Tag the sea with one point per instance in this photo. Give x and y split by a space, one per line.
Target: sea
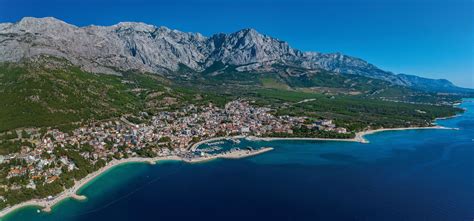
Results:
400 175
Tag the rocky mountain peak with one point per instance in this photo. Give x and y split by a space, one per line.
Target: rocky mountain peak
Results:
144 47
41 25
40 21
247 46
248 33
134 26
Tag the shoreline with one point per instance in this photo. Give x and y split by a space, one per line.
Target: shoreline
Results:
304 138
447 118
359 136
47 205
230 155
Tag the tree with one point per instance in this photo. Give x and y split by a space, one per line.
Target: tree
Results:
25 135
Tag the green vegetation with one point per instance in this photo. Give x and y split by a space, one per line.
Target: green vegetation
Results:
58 95
64 97
269 82
353 112
164 139
43 189
7 147
38 97
306 132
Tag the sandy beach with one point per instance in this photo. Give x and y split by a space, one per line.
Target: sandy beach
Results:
302 138
360 136
47 204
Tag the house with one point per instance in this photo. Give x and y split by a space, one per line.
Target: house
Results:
245 130
52 179
326 122
341 130
31 185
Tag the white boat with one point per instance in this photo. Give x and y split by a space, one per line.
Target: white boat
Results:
215 143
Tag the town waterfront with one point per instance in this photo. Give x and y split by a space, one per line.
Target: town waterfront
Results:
399 175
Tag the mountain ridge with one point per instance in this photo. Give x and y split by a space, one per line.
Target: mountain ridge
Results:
148 48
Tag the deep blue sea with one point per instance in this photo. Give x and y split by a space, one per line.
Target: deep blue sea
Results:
399 175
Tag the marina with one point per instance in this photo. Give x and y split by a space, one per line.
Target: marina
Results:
305 172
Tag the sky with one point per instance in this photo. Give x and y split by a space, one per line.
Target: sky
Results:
429 38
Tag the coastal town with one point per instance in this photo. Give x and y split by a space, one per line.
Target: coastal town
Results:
50 161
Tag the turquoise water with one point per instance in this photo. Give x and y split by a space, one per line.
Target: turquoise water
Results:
399 175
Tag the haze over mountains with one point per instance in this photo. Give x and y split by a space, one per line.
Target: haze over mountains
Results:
147 48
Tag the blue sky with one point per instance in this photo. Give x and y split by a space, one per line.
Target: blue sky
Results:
429 38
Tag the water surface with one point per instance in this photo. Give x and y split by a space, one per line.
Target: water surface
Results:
399 175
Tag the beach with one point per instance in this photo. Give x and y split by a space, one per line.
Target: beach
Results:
359 137
47 204
303 138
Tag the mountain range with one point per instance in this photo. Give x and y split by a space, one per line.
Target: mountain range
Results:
132 46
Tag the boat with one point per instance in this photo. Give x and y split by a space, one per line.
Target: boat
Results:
215 143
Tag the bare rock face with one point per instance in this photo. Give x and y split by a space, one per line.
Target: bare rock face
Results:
147 48
246 47
124 46
339 63
138 46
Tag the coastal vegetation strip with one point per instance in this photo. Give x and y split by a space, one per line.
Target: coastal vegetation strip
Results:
48 203
54 133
